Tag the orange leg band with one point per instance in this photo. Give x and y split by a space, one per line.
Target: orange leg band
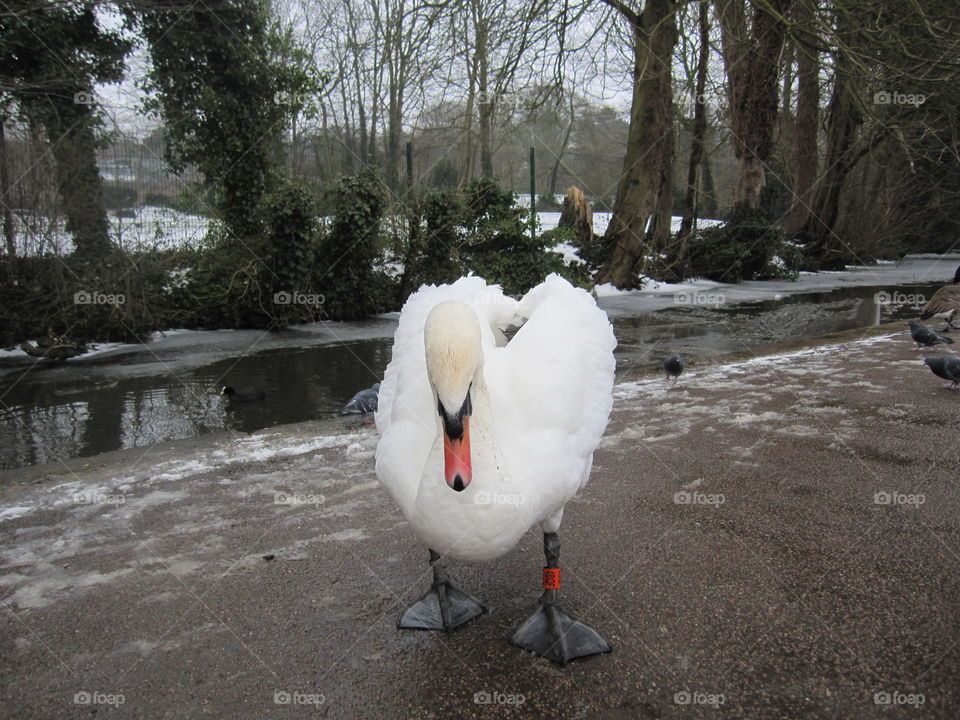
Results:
551 578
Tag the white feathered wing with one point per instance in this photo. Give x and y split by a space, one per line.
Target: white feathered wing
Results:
549 395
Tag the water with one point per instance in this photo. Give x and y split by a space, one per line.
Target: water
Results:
701 333
146 397
169 389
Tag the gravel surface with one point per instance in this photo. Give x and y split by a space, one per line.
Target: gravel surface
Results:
775 538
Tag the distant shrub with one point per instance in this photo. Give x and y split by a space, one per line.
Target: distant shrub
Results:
444 175
344 268
478 228
747 247
117 196
440 243
290 251
224 288
577 272
122 298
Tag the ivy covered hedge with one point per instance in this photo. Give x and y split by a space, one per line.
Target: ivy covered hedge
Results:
479 228
299 268
749 246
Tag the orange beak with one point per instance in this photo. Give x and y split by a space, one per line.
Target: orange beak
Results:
457 470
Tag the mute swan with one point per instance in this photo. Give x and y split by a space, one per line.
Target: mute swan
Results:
481 439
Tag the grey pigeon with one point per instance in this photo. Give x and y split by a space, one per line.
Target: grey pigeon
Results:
946 367
673 366
363 403
924 336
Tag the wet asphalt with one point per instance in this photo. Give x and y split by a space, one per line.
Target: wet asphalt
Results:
775 538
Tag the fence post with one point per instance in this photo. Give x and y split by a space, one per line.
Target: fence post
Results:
409 166
533 196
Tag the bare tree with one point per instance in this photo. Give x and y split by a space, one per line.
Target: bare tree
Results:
641 213
699 129
6 196
805 156
502 45
752 34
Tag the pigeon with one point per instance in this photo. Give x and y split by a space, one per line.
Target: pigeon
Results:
946 367
246 394
673 366
945 303
363 403
924 336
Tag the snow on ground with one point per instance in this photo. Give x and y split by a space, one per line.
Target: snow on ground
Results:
654 287
264 446
160 228
93 351
742 388
288 471
149 227
911 270
550 220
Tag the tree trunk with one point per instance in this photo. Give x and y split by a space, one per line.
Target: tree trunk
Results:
645 188
73 147
558 159
466 149
699 133
5 195
807 122
486 105
394 139
844 120
750 58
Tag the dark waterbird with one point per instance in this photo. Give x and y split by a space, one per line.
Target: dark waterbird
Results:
945 303
363 403
947 367
673 366
244 394
924 336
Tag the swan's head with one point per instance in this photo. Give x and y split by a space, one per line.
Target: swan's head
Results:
452 342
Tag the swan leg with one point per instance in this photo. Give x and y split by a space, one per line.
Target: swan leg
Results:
443 607
550 632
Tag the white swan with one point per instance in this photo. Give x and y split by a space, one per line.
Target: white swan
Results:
481 439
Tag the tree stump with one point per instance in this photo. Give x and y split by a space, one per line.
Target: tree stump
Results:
577 213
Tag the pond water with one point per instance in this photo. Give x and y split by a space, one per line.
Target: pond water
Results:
137 396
